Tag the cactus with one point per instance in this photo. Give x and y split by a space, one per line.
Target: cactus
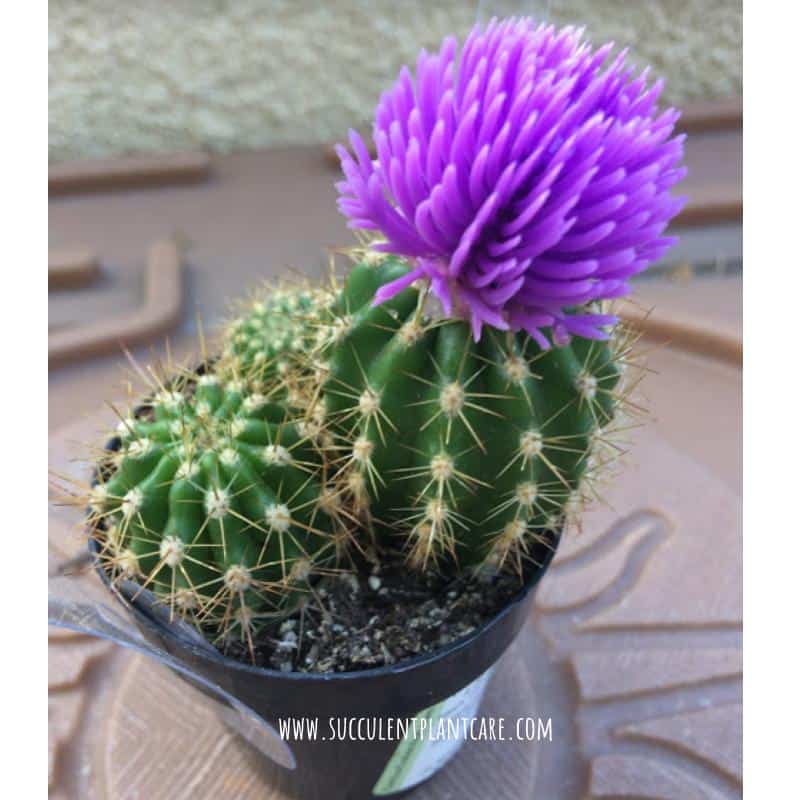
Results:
526 177
469 451
217 504
268 332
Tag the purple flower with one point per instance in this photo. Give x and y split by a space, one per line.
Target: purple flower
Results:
524 178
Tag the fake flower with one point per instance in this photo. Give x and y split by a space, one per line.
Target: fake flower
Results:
526 177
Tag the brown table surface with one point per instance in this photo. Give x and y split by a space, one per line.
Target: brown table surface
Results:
636 639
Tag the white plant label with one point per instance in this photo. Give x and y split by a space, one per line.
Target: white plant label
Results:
431 743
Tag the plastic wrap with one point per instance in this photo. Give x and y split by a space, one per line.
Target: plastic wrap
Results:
79 601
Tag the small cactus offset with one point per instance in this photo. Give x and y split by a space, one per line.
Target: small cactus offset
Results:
264 339
217 504
468 451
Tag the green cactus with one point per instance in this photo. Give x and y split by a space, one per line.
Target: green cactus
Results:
265 342
218 505
465 452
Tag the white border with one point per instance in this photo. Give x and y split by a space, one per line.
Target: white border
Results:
771 418
23 331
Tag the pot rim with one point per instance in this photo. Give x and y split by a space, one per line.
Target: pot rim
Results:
405 665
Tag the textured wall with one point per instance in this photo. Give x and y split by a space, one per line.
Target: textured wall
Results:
161 75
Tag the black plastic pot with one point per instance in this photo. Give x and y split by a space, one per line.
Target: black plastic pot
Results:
343 769
331 767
